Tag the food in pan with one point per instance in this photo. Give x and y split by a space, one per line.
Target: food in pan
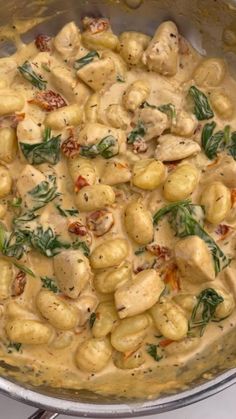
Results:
118 210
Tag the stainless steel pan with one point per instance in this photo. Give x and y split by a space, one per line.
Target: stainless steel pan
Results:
202 22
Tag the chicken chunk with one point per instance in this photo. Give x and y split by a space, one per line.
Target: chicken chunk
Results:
194 260
154 121
72 271
99 74
162 54
67 41
172 148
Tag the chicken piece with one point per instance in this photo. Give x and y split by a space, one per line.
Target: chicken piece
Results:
132 46
28 131
67 41
184 124
155 122
223 171
64 81
172 148
117 116
72 271
162 54
194 260
93 133
86 304
116 172
99 74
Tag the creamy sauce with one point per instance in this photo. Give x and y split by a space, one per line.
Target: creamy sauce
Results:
55 363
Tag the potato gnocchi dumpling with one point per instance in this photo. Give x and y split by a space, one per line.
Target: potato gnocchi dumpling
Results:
117 209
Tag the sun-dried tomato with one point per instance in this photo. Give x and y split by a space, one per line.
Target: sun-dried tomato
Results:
140 146
233 196
19 283
77 228
43 43
171 277
70 147
100 222
96 25
165 342
48 100
162 252
223 230
80 183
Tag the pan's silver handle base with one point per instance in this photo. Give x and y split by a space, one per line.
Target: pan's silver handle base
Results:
42 414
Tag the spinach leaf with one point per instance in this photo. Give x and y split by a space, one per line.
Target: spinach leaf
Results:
50 284
47 242
138 132
183 220
13 244
44 192
152 351
87 59
106 148
169 109
24 269
140 250
66 212
213 143
13 346
202 109
92 319
47 151
232 146
81 245
24 218
221 140
120 79
29 74
204 310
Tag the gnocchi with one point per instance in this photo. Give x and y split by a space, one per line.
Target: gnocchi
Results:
146 286
181 182
130 333
138 223
110 253
117 208
148 174
216 199
93 355
170 320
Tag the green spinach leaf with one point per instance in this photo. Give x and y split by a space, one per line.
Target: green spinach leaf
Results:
50 284
29 74
87 59
44 192
47 151
106 148
204 310
202 109
138 132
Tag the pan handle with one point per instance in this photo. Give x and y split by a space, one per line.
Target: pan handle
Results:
43 414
